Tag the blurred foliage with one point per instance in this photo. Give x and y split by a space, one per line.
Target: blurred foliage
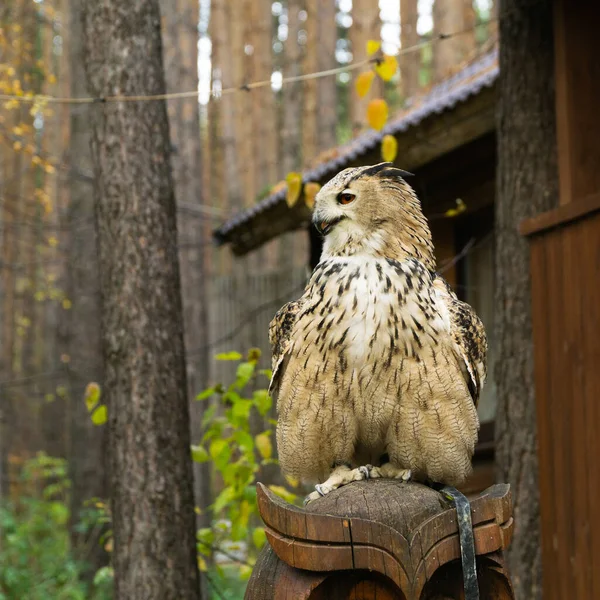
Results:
36 559
238 453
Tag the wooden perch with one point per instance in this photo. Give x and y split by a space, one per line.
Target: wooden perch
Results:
379 539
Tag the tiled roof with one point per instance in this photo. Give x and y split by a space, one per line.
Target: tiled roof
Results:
467 82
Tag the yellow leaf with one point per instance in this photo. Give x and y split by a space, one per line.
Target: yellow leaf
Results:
202 564
460 208
264 445
387 67
372 47
100 415
311 189
377 113
52 242
67 304
389 148
245 572
363 83
92 395
283 493
294 185
293 482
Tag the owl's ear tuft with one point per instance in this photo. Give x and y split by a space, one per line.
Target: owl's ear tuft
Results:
394 172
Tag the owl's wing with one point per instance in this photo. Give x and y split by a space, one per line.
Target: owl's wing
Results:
469 337
280 333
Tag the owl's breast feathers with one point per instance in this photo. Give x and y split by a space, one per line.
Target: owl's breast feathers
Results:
373 310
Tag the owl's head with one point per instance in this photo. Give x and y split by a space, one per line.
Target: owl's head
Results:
372 210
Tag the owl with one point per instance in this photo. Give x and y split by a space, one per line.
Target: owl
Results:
378 367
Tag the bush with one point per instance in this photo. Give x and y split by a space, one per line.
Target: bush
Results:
237 455
35 554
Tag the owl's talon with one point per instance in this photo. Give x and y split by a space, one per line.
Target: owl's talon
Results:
366 471
319 489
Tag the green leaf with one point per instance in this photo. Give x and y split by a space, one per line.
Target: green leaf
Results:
223 499
262 401
245 441
220 453
245 572
259 537
241 410
206 393
92 395
199 454
209 413
206 536
244 374
267 373
229 356
100 415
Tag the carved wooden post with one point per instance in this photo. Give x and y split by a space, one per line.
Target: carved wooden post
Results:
379 539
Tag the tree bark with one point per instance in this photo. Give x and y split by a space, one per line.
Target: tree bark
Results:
326 86
452 16
180 36
409 63
154 553
526 185
87 441
366 25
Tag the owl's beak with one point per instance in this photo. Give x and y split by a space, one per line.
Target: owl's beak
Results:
324 227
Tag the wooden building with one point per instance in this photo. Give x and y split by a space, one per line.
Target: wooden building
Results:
447 140
565 273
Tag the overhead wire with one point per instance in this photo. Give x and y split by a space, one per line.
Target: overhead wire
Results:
244 87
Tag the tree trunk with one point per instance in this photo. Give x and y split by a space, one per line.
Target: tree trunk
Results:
526 186
326 86
449 17
366 25
154 553
87 441
310 64
409 63
180 37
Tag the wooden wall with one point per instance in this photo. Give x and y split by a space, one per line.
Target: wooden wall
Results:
565 270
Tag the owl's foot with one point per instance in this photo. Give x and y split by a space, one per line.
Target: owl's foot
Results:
340 476
389 471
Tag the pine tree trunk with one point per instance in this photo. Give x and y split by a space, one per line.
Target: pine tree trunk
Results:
83 337
526 186
366 25
450 17
154 553
310 64
180 40
410 63
326 86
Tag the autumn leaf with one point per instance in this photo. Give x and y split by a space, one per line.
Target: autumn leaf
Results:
372 47
100 415
264 445
92 395
389 148
460 208
259 537
283 493
311 189
294 185
363 83
377 113
387 67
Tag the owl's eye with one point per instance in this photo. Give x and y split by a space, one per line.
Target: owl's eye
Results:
346 198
